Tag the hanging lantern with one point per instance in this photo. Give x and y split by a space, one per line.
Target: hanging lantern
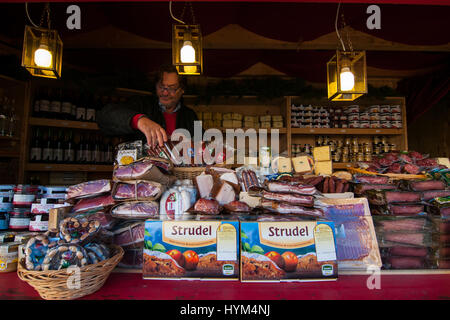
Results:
42 52
187 49
347 76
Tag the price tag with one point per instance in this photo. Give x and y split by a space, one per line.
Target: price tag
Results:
312 130
343 131
377 131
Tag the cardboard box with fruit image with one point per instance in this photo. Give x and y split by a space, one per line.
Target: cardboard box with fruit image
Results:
288 249
205 249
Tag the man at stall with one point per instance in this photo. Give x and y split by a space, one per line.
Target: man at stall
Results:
153 117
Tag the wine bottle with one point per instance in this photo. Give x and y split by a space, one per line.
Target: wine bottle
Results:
80 157
90 109
55 104
66 106
36 147
44 104
69 148
87 149
47 147
58 145
81 109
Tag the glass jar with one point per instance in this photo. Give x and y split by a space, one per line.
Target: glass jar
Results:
19 219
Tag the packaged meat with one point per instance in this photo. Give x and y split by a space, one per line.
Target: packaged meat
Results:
207 206
88 189
129 234
399 209
137 190
404 263
136 210
237 206
425 185
223 192
360 188
292 198
247 178
132 259
65 255
383 197
95 203
102 216
401 224
143 169
175 202
405 251
414 238
287 187
204 183
78 231
371 179
433 194
286 208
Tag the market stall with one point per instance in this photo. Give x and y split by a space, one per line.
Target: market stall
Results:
326 196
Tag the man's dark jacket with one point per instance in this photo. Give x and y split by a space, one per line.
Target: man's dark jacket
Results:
115 119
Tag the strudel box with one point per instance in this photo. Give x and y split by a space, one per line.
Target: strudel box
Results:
287 249
205 248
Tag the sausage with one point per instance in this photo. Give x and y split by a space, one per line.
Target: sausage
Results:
339 186
346 186
315 180
398 196
427 185
331 186
326 185
245 180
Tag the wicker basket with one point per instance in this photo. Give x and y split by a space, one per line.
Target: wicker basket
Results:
188 172
53 284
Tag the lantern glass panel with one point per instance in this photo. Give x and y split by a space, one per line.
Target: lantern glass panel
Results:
181 34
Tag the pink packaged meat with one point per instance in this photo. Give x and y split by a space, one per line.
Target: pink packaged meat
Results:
130 234
88 189
137 190
143 169
95 203
136 210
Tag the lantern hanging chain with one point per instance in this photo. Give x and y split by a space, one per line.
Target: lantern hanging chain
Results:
344 27
336 26
46 11
171 14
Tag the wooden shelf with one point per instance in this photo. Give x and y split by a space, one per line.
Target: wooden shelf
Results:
347 131
63 123
9 154
68 167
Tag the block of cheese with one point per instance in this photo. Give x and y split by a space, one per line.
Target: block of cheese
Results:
250 124
266 118
301 164
237 123
277 124
277 118
323 168
265 125
249 200
284 164
207 116
217 116
248 161
208 123
443 162
250 118
227 123
227 116
237 116
322 153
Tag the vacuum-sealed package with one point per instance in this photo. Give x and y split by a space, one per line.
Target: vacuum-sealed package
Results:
136 210
137 190
130 234
88 189
128 152
383 197
103 216
143 169
74 230
96 203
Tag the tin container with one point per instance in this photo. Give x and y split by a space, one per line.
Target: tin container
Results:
396 116
19 219
374 124
385 124
395 109
374 116
353 108
364 116
364 124
23 200
385 108
354 124
396 124
374 109
353 116
385 117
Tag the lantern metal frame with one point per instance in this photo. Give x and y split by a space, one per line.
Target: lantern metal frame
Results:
180 34
34 37
356 62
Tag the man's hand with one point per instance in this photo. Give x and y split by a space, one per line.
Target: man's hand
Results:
154 133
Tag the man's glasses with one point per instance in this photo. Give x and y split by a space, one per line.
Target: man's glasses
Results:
169 89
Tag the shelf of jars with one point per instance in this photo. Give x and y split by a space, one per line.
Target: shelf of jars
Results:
346 131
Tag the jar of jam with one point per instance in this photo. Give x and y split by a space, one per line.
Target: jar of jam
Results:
367 149
336 156
386 148
19 219
392 147
360 157
344 157
4 220
39 222
368 157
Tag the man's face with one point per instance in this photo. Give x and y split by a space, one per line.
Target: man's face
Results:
168 90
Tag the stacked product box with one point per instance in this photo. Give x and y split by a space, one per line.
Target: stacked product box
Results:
205 248
287 248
